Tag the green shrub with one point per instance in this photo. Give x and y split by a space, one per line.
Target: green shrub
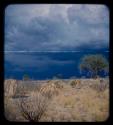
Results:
94 64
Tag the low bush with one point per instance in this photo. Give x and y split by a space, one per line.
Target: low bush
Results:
58 84
73 83
33 108
49 90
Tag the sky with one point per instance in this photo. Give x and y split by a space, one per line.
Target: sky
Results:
43 40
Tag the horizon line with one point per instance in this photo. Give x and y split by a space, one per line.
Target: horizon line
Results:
25 51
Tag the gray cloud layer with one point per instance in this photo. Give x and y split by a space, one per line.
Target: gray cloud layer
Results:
55 27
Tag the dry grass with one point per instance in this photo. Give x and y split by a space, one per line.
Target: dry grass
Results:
11 110
82 104
33 107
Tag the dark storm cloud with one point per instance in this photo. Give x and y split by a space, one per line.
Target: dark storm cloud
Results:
60 28
63 27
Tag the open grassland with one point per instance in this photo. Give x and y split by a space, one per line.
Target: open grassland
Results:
57 100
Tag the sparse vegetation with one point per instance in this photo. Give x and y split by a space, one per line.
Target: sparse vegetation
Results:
9 110
23 89
34 107
52 102
73 83
58 84
49 90
100 86
10 87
